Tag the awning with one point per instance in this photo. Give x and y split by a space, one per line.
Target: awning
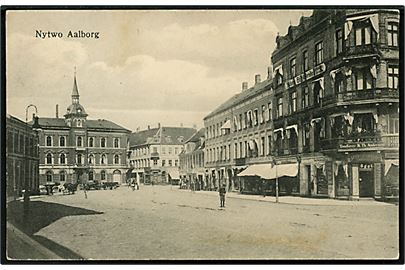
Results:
373 19
227 125
174 174
388 163
269 172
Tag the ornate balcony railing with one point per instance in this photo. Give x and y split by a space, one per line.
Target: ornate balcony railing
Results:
360 50
367 94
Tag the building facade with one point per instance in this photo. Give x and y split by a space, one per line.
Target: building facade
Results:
154 153
334 102
22 158
76 149
192 169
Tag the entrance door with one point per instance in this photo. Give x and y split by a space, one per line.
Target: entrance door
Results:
309 180
117 176
366 180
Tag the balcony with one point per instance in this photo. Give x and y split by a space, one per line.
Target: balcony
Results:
361 142
366 50
368 94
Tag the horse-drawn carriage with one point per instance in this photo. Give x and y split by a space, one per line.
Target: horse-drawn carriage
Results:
70 188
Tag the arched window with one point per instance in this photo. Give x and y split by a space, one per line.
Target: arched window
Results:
102 142
91 142
79 141
49 158
62 159
91 175
79 158
48 141
116 143
62 176
102 175
62 141
48 176
116 159
91 159
103 159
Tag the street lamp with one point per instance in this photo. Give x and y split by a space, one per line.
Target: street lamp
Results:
274 164
35 127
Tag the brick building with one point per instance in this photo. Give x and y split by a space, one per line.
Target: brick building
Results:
154 153
76 149
334 110
192 169
22 159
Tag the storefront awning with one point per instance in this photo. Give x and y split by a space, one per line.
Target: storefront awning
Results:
388 163
174 174
269 172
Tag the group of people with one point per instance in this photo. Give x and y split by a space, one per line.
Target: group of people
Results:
134 184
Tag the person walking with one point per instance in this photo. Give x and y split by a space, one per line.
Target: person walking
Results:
222 192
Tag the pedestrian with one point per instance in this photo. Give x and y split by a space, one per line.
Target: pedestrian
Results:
222 192
137 183
133 184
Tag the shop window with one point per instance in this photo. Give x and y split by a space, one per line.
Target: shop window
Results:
48 176
392 34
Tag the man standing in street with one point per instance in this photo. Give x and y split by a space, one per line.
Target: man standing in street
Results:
222 192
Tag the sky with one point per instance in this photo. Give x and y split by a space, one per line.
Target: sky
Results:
147 67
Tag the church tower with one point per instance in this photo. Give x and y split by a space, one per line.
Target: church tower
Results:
75 115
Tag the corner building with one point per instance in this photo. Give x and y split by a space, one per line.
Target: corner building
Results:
76 149
336 83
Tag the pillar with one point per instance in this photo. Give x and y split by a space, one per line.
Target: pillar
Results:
355 182
377 180
303 180
299 135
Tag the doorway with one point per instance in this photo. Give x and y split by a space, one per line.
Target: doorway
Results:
366 182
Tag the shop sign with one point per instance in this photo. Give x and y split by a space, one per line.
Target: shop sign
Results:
289 83
305 76
360 145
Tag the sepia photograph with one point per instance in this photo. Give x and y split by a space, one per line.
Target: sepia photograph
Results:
191 134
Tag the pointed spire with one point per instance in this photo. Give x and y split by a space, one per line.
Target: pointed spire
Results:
75 91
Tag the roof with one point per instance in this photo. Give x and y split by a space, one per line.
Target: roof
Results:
91 124
196 136
236 99
162 135
75 91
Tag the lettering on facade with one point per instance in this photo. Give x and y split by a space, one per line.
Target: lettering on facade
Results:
306 76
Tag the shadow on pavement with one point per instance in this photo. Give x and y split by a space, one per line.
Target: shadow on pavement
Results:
40 215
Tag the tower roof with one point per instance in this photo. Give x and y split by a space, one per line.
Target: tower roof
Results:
75 91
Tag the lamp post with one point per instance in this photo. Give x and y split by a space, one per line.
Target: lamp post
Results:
27 191
274 164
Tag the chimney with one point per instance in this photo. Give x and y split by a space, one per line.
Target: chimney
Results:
181 124
257 78
148 127
57 111
158 125
244 86
194 126
137 129
269 73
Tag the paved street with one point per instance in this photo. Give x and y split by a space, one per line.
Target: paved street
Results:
163 222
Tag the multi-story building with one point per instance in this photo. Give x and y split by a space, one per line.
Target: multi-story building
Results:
192 169
335 109
22 171
154 153
336 83
76 149
238 133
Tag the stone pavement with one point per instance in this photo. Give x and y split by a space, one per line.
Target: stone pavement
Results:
289 199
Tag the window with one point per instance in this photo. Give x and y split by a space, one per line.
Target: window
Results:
305 97
102 175
317 92
62 159
392 34
62 141
49 158
79 158
269 145
262 146
79 141
270 116
169 149
319 53
176 163
91 142
79 122
155 162
116 142
102 142
48 141
91 175
393 125
103 159
154 149
116 159
163 162
62 176
393 76
292 67
170 162
339 82
279 107
305 65
339 41
363 79
263 114
48 176
293 102
255 115
91 159
362 34
279 78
